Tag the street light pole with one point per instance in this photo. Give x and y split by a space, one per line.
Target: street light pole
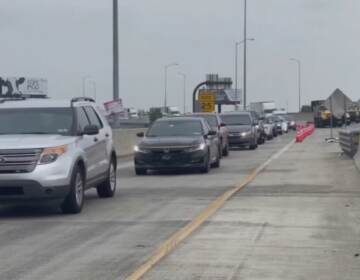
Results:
299 79
245 36
237 44
115 51
94 87
165 82
84 78
184 89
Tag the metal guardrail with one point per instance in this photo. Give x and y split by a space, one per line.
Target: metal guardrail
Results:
349 141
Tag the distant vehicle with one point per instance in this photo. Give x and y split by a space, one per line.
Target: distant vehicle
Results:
55 150
279 124
133 113
177 143
322 115
263 108
159 112
270 128
217 124
242 129
280 112
260 129
174 111
291 121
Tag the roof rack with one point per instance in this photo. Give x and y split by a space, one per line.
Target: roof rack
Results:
82 98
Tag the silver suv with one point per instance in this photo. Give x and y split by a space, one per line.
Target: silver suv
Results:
54 150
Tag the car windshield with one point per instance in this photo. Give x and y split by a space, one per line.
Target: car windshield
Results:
174 128
211 119
36 121
236 119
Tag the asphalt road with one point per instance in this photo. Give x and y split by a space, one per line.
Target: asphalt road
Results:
299 219
111 237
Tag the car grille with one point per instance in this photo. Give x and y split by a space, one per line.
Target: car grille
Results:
19 161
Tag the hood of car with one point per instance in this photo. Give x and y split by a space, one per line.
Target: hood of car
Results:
33 141
163 142
239 128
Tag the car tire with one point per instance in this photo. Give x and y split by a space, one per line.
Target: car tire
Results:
253 147
140 171
226 151
74 201
207 164
108 187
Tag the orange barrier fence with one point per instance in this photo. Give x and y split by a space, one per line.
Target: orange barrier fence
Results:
304 131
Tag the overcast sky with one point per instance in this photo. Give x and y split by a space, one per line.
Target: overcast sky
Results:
66 40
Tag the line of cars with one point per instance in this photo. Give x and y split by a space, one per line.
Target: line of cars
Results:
198 141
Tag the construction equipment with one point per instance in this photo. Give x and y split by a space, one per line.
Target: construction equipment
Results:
322 115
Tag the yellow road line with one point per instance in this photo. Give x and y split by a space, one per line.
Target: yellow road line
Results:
169 245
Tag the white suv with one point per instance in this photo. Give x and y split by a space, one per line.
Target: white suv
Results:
54 150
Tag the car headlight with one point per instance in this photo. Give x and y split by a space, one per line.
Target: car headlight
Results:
292 123
49 155
246 133
137 149
199 147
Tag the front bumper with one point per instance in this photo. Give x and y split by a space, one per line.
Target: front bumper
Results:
20 190
47 181
169 161
238 140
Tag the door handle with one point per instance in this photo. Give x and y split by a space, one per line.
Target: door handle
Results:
95 139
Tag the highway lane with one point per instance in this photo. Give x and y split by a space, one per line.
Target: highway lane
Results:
112 237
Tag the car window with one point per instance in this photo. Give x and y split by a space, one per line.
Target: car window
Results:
93 116
212 120
237 119
82 119
207 127
36 121
176 128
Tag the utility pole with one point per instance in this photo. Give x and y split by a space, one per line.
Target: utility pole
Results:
184 90
245 35
166 67
299 79
115 51
237 44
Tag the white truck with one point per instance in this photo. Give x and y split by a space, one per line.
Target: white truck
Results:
263 108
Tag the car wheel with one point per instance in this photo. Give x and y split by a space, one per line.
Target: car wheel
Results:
140 171
74 201
226 151
207 164
108 187
253 146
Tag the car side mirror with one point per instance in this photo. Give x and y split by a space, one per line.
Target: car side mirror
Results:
90 129
222 124
140 134
212 133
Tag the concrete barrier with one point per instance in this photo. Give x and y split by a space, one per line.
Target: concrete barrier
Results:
357 157
125 140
